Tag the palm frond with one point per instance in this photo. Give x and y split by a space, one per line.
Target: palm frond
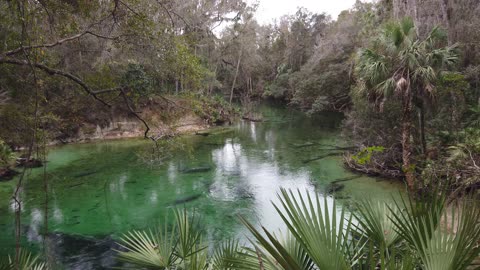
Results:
189 234
375 223
147 249
271 246
467 234
227 254
416 221
198 260
23 261
386 87
372 66
296 250
322 234
408 28
424 75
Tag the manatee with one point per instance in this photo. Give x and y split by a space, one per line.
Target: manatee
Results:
187 199
334 187
85 174
197 169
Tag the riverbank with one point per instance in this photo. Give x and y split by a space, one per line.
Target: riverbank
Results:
162 116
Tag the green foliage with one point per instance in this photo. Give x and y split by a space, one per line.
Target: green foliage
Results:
187 67
214 110
364 156
7 156
279 88
137 80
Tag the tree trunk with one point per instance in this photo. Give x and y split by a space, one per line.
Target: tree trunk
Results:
422 128
210 87
181 82
408 167
235 77
176 86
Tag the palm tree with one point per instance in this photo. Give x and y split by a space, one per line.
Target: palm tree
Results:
400 62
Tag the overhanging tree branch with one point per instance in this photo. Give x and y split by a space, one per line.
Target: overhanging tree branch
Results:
58 42
52 71
134 113
83 85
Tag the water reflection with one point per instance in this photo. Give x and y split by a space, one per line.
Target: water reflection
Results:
228 174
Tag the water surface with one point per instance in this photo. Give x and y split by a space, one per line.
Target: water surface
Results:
100 190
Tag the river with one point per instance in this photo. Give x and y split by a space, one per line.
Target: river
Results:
98 191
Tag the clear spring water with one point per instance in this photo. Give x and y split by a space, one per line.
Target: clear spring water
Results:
98 191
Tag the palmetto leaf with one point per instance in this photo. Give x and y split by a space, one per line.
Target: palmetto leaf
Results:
416 221
408 28
451 250
372 66
228 254
198 260
269 246
467 235
146 249
24 261
296 250
456 152
322 233
375 223
189 234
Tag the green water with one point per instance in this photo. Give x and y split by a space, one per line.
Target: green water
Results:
100 190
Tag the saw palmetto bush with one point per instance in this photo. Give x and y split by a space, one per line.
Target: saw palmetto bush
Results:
180 247
320 234
23 260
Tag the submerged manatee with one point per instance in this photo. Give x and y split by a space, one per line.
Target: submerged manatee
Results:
85 174
334 187
187 199
83 252
197 169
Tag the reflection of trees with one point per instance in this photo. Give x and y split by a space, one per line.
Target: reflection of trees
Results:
122 193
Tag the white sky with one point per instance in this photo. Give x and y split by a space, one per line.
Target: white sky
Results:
269 10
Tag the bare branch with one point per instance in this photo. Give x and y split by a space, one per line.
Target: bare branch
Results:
132 111
58 42
104 91
168 13
4 98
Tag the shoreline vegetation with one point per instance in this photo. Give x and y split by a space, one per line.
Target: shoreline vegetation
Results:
406 76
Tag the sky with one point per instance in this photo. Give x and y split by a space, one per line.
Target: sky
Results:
268 10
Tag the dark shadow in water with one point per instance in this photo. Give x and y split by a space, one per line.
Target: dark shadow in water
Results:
76 252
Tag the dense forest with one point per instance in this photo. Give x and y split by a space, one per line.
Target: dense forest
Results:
69 66
406 77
